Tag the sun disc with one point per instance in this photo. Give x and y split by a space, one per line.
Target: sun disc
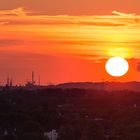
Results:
117 66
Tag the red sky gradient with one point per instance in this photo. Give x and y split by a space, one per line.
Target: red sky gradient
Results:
68 41
74 7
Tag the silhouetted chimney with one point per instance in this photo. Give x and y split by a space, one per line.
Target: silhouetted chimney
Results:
8 82
11 82
39 80
33 81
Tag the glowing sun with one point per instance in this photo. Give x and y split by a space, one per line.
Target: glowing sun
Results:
117 66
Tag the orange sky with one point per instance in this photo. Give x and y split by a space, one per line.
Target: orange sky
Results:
68 47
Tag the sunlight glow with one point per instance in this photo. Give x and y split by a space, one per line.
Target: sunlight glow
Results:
119 51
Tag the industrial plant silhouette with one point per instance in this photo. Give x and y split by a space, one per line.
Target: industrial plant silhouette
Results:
69 111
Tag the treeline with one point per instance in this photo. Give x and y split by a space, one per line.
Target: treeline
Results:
76 114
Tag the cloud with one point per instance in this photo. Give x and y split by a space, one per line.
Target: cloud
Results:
10 17
63 20
102 23
129 16
17 12
33 19
89 56
5 14
3 22
10 42
122 14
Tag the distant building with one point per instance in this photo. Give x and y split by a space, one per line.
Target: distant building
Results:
32 82
52 135
9 82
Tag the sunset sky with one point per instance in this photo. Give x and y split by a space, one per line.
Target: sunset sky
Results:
68 41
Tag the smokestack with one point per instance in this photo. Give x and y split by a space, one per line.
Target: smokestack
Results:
8 81
33 81
11 82
39 80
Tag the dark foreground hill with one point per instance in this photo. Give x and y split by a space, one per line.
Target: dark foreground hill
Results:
109 86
